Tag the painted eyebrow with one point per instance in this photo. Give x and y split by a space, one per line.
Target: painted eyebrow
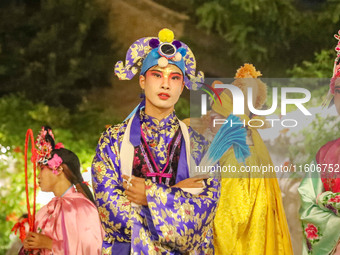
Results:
160 71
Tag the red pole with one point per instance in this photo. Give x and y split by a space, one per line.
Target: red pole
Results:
31 217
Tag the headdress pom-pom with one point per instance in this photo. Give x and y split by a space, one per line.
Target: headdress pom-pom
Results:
154 43
182 51
177 57
166 35
162 62
177 44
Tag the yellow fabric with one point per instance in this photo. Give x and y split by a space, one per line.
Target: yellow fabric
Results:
250 218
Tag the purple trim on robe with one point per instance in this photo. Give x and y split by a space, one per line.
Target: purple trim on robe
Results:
121 248
182 169
135 134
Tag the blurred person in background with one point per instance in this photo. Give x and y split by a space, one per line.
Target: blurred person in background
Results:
320 189
250 218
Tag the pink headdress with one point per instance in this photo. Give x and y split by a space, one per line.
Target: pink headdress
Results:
45 145
336 68
336 73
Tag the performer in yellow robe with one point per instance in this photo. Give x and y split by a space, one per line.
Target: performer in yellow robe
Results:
250 218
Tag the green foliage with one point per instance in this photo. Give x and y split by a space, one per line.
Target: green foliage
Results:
321 67
79 131
181 6
55 51
182 108
256 29
273 35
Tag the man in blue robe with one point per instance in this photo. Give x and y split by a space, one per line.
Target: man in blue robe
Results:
147 201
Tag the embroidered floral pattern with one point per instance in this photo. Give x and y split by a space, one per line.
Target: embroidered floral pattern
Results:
335 199
159 134
312 234
330 201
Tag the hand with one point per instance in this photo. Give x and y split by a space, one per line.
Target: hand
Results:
317 198
193 182
37 241
136 190
337 249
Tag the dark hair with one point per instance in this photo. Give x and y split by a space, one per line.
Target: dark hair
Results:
72 171
48 137
71 161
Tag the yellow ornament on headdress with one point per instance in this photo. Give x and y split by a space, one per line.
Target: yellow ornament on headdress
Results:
246 70
166 35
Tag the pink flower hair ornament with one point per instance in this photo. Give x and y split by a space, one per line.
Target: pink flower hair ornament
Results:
55 163
328 101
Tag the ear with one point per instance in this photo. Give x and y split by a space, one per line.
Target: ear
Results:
142 81
60 170
182 87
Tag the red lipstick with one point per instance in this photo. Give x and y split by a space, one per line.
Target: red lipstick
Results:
163 96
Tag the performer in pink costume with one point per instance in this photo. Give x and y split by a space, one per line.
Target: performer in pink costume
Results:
69 224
